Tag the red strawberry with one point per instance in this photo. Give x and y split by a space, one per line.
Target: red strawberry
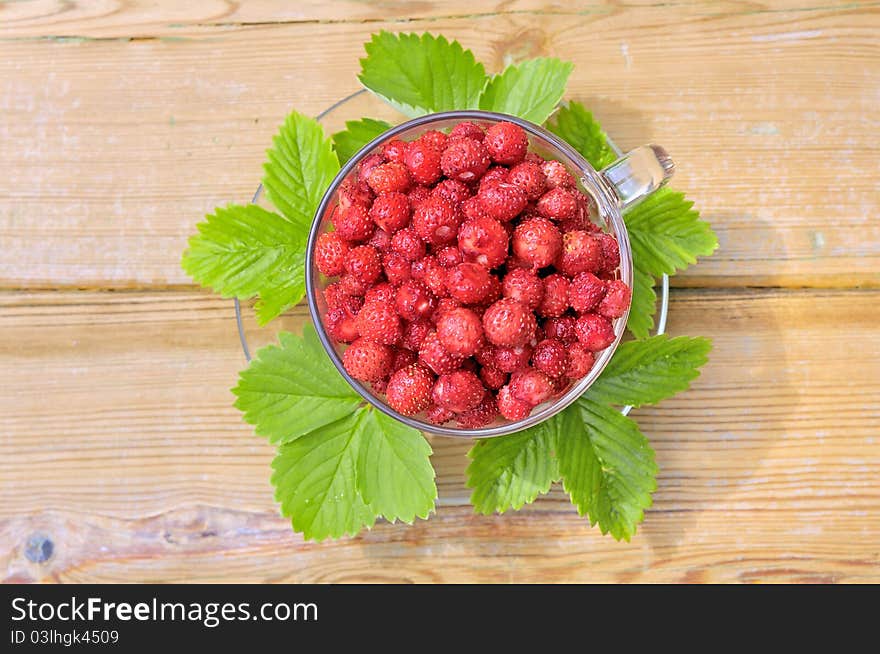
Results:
593 330
407 243
460 332
469 283
483 241
580 361
354 192
508 323
394 150
616 300
330 252
445 305
480 416
472 210
414 300
537 241
492 377
485 356
534 157
510 407
464 159
368 164
379 322
409 390
523 286
557 175
452 191
494 175
458 391
436 357
507 143
610 251
364 264
435 139
382 292
449 256
581 252
396 267
438 415
381 240
354 223
436 221
379 386
469 130
511 359
341 325
402 359
530 178
336 298
423 162
561 329
367 361
501 200
417 195
389 177
585 291
550 357
429 270
351 285
531 386
390 211
558 204
414 334
555 300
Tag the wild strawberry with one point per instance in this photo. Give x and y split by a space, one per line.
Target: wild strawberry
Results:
449 256
390 211
436 221
464 159
580 361
510 407
389 177
336 298
472 210
452 191
351 285
367 361
364 264
407 243
585 291
469 130
537 241
394 150
531 386
610 251
436 357
616 300
507 143
508 323
557 175
437 415
330 252
402 359
423 162
494 175
480 416
511 359
445 305
458 391
414 334
381 240
523 286
379 322
485 356
469 283
550 357
561 329
368 164
383 292
414 300
340 325
409 390
354 223
429 270
492 377
530 178
379 386
483 241
460 332
502 201
534 157
558 204
396 267
417 195
434 139
581 252
555 300
354 192
593 330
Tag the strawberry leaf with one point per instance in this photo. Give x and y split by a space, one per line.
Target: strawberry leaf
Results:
357 134
530 90
644 304
577 127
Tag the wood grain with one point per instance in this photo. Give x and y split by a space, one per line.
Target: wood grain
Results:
122 124
120 445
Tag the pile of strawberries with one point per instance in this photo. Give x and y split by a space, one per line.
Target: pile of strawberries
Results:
471 278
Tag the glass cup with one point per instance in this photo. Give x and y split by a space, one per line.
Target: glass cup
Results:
614 189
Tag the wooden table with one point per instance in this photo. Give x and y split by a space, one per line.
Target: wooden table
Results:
122 124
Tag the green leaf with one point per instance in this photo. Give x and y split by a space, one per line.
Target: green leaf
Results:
510 471
315 479
357 134
530 90
395 476
607 468
292 389
650 370
422 74
301 166
577 127
666 234
644 305
240 251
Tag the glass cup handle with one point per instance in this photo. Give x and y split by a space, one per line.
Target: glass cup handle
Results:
638 173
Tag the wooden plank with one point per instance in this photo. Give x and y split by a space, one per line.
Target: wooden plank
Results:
113 148
118 443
